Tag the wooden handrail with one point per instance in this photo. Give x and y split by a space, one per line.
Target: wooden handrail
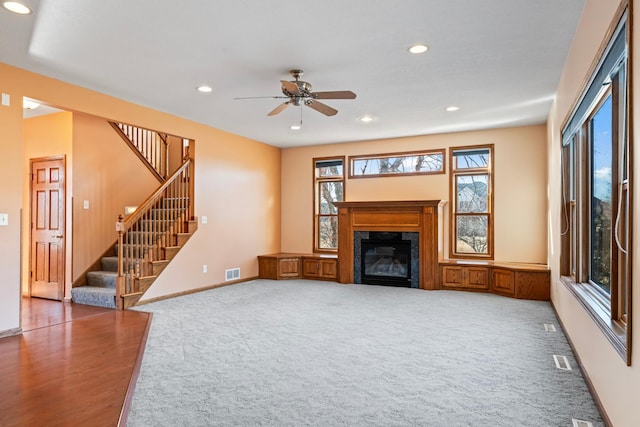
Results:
150 200
150 146
154 226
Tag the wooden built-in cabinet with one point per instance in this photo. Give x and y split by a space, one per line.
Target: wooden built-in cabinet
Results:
516 280
319 268
465 277
297 266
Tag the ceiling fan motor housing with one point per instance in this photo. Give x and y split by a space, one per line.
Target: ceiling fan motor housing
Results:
304 89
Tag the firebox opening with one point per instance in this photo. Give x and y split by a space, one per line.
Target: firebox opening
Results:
386 259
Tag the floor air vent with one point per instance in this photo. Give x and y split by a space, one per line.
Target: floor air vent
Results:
562 362
549 327
232 274
581 423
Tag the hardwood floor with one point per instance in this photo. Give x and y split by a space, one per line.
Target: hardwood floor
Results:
73 365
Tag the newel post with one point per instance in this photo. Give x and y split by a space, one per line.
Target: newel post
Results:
120 280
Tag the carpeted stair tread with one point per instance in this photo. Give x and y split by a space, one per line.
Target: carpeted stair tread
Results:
102 279
94 295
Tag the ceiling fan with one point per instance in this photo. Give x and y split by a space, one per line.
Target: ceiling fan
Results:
299 93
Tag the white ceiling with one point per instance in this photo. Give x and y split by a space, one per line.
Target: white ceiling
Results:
498 60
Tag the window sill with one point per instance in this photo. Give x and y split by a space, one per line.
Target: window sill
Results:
598 310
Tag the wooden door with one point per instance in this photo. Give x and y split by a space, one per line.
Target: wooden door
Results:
47 228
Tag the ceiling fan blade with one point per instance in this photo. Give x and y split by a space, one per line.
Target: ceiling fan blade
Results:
291 87
258 97
322 108
279 109
338 94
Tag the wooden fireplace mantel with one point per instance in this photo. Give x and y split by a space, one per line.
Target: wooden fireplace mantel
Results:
409 216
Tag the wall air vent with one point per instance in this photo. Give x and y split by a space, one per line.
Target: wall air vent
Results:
232 274
581 423
549 327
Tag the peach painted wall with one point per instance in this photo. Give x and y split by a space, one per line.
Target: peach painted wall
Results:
237 187
520 200
11 172
616 385
103 169
46 136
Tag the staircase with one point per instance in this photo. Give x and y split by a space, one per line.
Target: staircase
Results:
147 241
100 289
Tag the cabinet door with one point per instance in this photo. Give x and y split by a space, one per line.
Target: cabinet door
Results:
452 277
503 281
477 277
289 268
310 267
329 268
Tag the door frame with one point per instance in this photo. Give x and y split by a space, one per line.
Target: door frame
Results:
33 160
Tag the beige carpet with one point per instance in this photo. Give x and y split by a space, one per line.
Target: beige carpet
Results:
308 353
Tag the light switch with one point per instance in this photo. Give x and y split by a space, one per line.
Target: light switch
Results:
85 204
4 219
6 99
204 219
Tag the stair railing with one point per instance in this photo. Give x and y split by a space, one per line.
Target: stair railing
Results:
144 235
150 146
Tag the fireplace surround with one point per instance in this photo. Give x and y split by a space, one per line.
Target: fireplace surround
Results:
419 218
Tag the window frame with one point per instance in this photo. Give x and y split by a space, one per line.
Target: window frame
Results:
316 199
354 175
455 172
611 312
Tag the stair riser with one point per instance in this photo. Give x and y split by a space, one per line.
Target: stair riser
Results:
111 263
137 251
165 214
175 203
101 297
101 279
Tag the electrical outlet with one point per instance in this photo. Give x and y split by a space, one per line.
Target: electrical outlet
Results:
6 99
204 219
4 219
85 204
204 268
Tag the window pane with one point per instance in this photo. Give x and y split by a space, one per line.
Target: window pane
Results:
472 193
329 168
601 221
469 159
471 234
409 164
330 191
328 229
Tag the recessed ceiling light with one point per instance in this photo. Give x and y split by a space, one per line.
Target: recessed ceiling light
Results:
204 88
366 119
27 104
17 7
452 108
418 48
295 127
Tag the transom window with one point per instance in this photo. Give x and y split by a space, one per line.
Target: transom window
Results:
397 164
472 207
328 188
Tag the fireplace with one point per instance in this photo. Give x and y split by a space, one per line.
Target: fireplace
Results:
386 258
416 220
